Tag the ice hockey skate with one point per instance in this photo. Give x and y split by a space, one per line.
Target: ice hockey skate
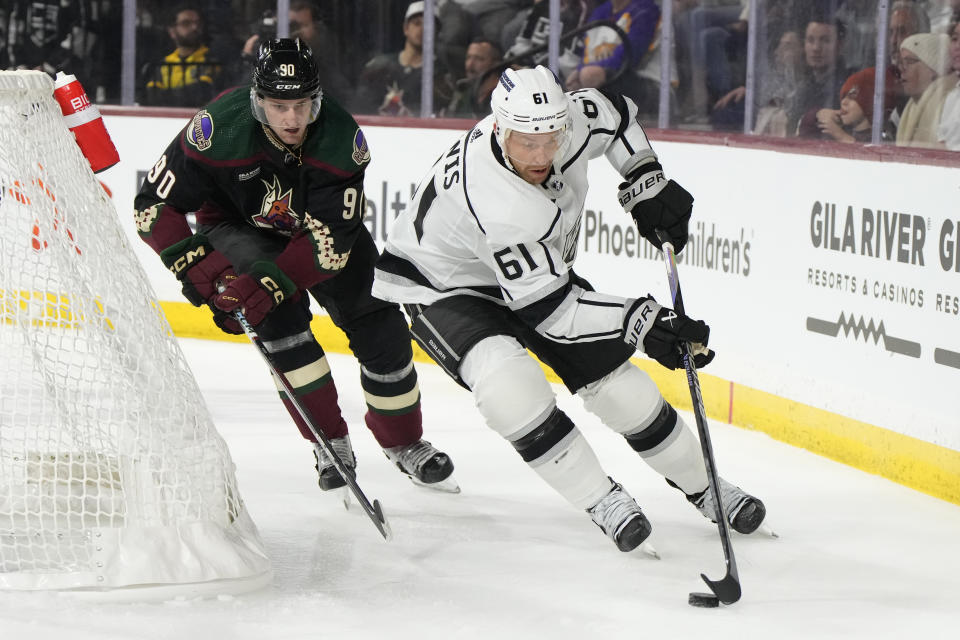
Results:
329 476
425 465
618 515
745 513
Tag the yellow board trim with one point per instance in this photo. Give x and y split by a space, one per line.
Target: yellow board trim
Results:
915 463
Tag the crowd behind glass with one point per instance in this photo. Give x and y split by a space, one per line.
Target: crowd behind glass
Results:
785 68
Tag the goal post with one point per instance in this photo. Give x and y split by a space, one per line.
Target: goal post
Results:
112 475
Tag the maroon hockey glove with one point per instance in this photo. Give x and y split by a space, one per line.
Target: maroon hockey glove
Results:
657 203
658 332
256 293
199 267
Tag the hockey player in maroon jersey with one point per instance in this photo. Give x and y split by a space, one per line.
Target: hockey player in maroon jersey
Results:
275 173
484 260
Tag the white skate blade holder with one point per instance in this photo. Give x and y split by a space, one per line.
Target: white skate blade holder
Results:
447 485
647 549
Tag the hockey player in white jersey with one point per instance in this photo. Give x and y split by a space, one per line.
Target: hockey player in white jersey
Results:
483 261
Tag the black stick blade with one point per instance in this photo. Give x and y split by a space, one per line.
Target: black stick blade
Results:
727 589
380 521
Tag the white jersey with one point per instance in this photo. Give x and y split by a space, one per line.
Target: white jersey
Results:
475 227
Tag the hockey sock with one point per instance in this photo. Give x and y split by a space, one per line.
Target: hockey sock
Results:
393 406
517 402
668 445
558 453
628 402
305 367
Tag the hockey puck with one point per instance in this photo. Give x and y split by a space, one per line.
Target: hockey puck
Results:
706 600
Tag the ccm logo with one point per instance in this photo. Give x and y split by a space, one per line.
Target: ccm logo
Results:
270 285
188 259
288 86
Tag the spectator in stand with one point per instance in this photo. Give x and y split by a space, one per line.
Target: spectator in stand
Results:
465 20
38 35
605 53
777 90
307 24
532 28
924 71
188 76
906 18
860 42
4 63
471 97
853 121
948 132
822 77
941 14
709 36
390 83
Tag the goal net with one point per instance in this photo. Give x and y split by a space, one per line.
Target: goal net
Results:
112 475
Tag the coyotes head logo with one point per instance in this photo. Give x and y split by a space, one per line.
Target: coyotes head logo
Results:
275 210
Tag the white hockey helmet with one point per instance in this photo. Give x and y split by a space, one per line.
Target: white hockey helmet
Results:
530 101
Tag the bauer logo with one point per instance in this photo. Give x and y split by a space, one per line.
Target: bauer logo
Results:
200 133
361 152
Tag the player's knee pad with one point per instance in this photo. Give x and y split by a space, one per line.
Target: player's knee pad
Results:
508 386
626 399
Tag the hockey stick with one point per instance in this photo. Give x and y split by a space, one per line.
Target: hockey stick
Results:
373 511
727 589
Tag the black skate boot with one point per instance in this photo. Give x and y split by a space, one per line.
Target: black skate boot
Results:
424 464
619 516
329 476
744 512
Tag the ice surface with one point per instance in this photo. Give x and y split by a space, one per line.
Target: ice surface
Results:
857 557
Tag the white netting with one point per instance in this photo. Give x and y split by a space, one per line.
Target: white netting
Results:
111 472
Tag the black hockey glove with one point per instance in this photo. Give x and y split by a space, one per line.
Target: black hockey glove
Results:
225 322
199 267
657 203
658 332
256 293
